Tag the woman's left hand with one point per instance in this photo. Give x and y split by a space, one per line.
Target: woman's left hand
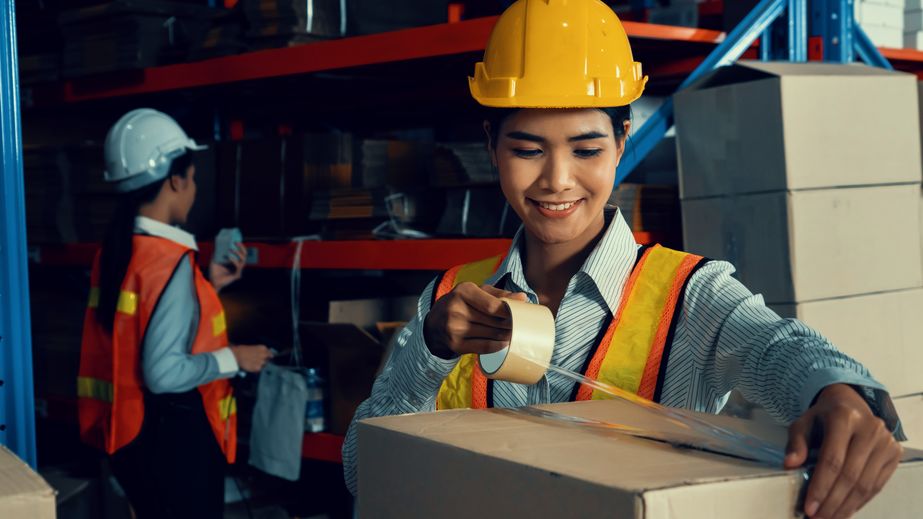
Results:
223 275
857 456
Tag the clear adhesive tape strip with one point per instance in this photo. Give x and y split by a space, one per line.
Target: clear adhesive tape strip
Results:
527 357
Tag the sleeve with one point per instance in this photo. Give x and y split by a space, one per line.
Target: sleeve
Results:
167 365
727 338
408 383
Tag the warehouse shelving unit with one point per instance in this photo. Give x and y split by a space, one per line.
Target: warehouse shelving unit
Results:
821 29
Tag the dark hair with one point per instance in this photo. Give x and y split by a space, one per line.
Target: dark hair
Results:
117 245
496 117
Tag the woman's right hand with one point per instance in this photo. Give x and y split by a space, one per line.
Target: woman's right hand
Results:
251 358
469 319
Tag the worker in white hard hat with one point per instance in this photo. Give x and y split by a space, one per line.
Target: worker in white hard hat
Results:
153 388
557 80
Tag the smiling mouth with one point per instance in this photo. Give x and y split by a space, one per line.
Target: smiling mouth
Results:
556 206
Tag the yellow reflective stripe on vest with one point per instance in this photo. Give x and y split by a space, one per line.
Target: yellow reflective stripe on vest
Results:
93 301
219 324
128 302
455 392
477 272
94 388
227 407
631 343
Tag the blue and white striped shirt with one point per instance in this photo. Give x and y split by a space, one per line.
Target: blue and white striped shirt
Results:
725 338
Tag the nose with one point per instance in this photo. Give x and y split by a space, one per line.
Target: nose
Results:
557 174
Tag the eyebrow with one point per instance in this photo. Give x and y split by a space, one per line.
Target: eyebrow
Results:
524 136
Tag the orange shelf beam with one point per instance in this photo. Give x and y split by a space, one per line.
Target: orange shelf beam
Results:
322 447
330 255
421 42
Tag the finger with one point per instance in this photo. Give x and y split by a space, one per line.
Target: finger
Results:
481 346
472 315
837 434
866 487
499 292
799 434
479 331
853 482
887 471
480 300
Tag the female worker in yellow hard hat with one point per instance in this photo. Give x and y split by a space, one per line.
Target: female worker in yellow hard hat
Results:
153 389
558 77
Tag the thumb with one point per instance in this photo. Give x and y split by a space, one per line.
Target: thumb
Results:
799 434
499 292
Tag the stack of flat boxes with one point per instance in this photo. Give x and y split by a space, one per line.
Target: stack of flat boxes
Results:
807 178
883 21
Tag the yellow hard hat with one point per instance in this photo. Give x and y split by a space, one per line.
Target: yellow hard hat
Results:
557 54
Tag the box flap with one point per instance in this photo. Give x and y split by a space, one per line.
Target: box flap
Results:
23 493
579 452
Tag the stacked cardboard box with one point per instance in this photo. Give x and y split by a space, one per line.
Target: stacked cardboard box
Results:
129 34
807 178
882 20
23 493
278 23
374 16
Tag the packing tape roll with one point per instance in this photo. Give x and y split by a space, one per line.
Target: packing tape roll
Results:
526 359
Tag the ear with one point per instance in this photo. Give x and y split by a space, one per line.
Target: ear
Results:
620 142
491 145
177 183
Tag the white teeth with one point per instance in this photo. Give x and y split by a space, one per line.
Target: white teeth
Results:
557 207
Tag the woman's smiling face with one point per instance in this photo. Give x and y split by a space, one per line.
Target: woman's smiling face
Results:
557 169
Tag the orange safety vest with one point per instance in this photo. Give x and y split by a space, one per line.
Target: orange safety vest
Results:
110 393
631 353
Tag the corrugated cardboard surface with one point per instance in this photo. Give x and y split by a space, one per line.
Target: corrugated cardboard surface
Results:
497 464
758 127
882 331
910 409
23 493
811 245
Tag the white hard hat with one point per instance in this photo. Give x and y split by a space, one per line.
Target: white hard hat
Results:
141 146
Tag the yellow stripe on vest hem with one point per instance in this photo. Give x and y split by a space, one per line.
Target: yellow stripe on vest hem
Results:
128 302
93 301
94 388
227 407
219 324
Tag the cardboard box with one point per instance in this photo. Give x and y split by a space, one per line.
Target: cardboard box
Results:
23 493
810 245
879 14
499 464
757 127
882 331
910 409
890 37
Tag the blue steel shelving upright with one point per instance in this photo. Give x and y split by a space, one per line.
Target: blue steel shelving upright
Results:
17 419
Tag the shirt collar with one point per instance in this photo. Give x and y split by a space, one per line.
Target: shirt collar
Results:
151 227
608 266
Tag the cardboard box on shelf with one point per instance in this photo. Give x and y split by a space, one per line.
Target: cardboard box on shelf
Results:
879 14
910 410
514 466
23 493
810 245
372 16
758 127
889 37
882 331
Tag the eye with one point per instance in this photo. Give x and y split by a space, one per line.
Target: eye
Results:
587 153
527 153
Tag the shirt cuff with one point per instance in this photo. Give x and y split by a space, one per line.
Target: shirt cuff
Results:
418 374
874 394
227 363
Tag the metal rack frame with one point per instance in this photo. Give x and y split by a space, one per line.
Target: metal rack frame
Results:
829 30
